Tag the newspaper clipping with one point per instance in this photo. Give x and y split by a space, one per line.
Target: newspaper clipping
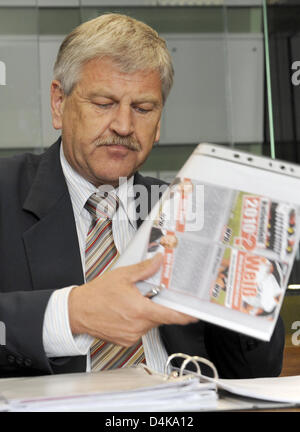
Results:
224 246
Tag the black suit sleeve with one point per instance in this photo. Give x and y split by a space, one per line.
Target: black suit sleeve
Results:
23 314
21 350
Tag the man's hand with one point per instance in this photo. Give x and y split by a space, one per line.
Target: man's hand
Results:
112 308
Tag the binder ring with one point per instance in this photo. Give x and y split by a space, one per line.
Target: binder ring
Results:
186 357
201 360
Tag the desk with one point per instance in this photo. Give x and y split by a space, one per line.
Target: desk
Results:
291 361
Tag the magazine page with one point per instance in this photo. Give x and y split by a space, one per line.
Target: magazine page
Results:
186 230
261 238
243 241
227 253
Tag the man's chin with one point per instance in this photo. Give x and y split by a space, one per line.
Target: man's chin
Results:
112 180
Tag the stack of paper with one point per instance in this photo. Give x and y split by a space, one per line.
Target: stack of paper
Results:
281 389
131 389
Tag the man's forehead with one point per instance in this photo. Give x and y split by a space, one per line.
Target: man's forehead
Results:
119 67
104 75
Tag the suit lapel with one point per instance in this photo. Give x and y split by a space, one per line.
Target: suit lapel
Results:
51 244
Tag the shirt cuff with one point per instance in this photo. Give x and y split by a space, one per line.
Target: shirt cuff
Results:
58 339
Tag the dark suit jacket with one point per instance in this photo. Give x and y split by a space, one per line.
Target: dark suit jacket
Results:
39 253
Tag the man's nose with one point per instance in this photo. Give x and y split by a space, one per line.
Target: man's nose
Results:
122 123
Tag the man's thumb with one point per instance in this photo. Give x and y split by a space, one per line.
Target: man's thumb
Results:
146 268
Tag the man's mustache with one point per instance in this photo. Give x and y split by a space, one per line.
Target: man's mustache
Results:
128 142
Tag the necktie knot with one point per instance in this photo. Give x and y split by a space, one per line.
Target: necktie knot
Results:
102 205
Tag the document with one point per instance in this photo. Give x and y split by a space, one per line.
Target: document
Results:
279 389
228 227
139 389
128 389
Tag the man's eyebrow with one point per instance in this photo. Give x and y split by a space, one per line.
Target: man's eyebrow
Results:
147 99
100 93
140 100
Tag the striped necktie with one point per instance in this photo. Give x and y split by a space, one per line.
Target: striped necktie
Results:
100 254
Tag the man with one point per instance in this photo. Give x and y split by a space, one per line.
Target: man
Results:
111 79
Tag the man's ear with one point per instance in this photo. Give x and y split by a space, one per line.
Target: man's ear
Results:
57 103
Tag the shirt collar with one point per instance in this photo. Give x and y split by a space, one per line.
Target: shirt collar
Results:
80 190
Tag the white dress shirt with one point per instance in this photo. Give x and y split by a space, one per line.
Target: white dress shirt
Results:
57 336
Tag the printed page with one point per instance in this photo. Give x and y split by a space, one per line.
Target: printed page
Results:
227 253
261 239
222 246
186 230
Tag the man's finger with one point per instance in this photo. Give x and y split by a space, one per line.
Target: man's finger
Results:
144 269
163 315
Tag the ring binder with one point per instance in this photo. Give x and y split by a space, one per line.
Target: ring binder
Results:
134 388
191 359
201 360
185 356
